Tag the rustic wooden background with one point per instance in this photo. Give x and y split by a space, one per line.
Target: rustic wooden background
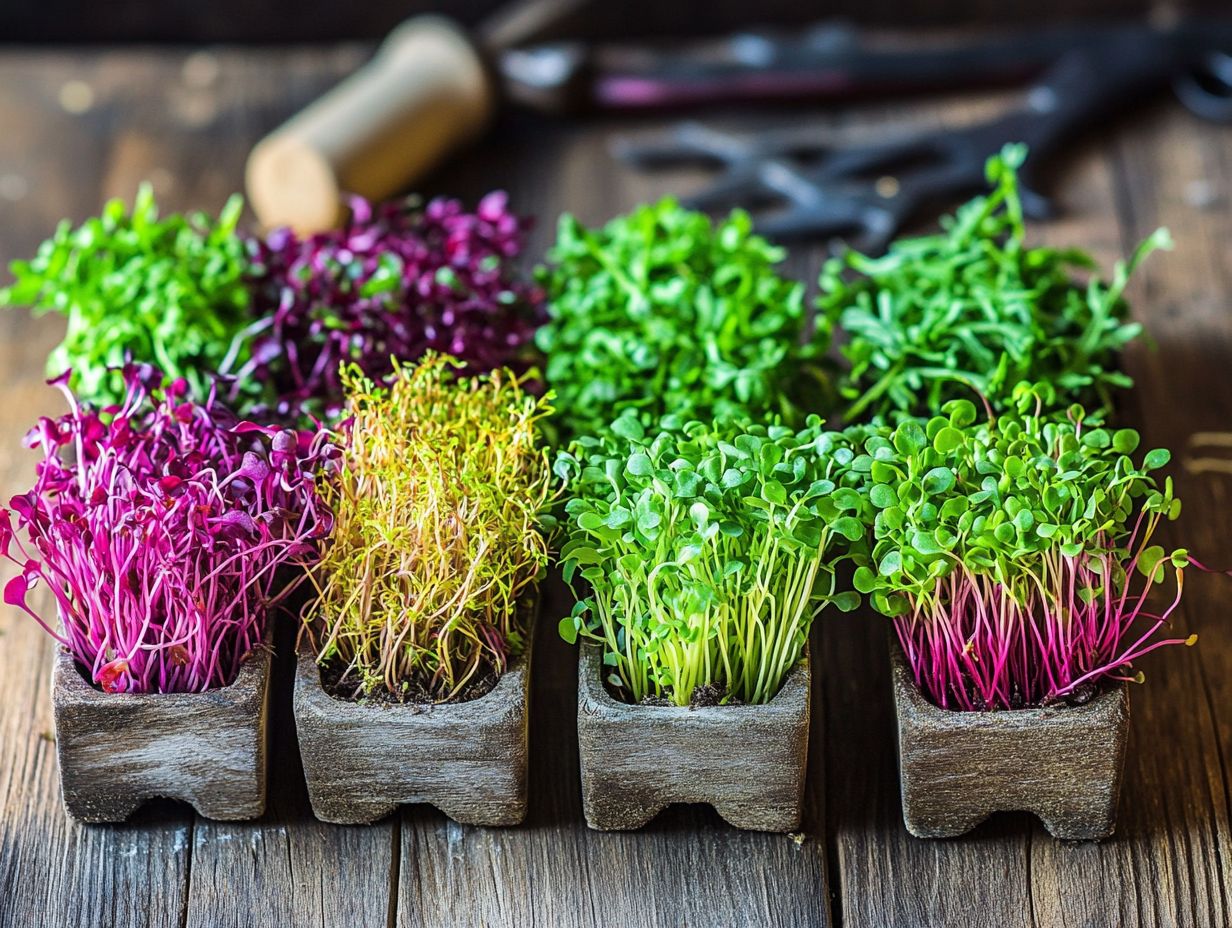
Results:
82 126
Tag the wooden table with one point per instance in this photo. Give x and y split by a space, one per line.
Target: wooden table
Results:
80 127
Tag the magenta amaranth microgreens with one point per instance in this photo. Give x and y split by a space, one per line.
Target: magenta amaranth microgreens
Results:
160 526
396 281
1015 555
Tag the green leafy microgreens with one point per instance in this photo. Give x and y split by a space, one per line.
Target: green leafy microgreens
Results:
1006 551
973 310
663 311
169 291
708 550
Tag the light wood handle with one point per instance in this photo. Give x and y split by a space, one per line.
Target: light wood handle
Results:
425 93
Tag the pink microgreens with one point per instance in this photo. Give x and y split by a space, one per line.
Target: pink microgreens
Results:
161 526
398 280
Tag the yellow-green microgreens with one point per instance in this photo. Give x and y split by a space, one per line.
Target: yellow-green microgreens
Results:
439 509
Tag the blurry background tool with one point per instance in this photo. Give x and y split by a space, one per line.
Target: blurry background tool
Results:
800 184
427 91
431 88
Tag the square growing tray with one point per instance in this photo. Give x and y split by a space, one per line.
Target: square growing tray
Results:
468 759
748 762
118 750
1062 763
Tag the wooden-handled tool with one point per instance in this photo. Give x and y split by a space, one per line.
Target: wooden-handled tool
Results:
426 92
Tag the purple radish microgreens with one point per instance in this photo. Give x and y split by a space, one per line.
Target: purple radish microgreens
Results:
1015 555
161 526
707 550
397 281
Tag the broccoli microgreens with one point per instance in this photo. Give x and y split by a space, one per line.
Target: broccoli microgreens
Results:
170 291
707 550
1006 551
161 528
973 310
439 505
663 311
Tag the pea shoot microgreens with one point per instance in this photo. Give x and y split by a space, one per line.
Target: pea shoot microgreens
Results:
1007 551
972 311
707 550
169 291
663 311
440 507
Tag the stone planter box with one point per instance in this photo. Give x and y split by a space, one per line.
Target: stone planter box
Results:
1062 763
117 750
748 762
468 759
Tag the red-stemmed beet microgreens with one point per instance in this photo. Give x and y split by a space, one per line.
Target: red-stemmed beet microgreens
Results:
396 281
161 526
1015 555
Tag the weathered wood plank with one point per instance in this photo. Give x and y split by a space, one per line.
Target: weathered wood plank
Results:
1171 857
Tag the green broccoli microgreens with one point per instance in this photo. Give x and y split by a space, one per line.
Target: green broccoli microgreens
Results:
707 548
168 291
666 312
1006 550
972 311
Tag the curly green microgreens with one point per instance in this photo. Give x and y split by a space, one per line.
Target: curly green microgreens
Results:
666 312
169 291
973 310
1006 551
708 550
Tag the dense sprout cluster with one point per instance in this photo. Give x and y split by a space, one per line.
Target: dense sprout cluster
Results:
439 503
708 548
398 280
971 311
663 311
170 291
1007 551
161 527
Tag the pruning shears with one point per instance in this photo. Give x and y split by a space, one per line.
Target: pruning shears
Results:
867 192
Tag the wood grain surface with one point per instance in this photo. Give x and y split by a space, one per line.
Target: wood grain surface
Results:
80 127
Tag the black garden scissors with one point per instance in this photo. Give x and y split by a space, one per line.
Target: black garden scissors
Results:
866 193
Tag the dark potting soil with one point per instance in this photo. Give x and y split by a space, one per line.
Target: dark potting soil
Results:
1079 697
415 693
709 694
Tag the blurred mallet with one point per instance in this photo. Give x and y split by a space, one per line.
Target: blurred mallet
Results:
427 91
